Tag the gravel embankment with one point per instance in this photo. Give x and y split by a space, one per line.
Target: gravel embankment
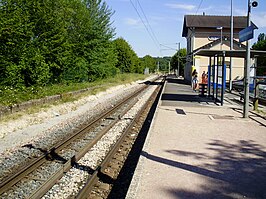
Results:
48 118
75 179
40 129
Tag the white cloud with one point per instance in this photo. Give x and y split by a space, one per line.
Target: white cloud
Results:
180 6
132 22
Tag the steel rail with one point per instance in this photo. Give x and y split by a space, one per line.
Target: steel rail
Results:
88 187
57 175
31 166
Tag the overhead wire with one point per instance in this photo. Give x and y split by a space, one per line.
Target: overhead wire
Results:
148 23
152 35
197 11
194 18
195 15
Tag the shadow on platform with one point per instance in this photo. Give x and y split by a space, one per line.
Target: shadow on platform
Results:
177 81
179 90
185 98
238 170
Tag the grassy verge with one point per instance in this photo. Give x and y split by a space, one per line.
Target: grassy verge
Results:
10 96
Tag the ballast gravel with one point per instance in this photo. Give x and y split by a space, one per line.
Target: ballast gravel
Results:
24 137
74 180
21 131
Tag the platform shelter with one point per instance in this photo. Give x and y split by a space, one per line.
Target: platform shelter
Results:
217 69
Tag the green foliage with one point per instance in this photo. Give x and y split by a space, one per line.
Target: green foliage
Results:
77 71
149 62
14 32
261 45
35 70
261 37
163 63
100 54
44 42
10 95
127 60
179 57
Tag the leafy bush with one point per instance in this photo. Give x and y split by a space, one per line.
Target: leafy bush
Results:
44 42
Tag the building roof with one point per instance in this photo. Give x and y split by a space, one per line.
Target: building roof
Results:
210 21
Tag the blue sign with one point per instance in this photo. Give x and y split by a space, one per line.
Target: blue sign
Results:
247 33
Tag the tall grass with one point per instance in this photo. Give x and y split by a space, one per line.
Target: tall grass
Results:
10 96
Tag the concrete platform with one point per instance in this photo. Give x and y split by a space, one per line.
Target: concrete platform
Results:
196 149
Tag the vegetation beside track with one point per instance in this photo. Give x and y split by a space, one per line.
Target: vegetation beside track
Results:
10 96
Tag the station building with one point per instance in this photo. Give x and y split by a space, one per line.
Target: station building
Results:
212 32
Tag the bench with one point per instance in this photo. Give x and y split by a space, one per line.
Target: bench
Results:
203 89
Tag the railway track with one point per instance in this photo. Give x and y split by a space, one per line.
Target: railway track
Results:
42 173
100 184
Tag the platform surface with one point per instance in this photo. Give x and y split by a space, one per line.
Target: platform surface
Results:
196 149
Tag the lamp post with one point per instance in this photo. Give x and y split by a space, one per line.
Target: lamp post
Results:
178 59
246 35
221 28
169 65
247 69
231 47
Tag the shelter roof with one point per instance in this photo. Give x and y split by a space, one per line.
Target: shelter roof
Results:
230 53
236 44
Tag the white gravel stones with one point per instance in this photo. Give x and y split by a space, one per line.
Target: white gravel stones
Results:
22 131
41 130
48 119
76 177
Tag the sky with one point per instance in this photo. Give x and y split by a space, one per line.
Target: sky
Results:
154 27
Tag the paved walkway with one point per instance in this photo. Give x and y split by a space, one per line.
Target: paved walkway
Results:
196 149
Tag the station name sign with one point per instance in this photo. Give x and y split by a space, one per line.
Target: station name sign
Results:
247 33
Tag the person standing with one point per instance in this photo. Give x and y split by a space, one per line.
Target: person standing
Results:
204 78
195 80
194 72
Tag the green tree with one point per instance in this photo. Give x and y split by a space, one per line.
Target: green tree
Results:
128 60
261 45
261 37
50 35
149 62
50 41
15 34
100 52
179 56
163 63
79 26
32 41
